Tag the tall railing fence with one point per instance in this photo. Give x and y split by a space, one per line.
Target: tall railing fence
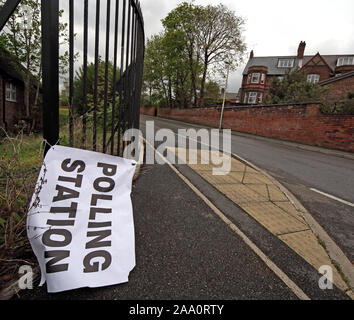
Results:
105 48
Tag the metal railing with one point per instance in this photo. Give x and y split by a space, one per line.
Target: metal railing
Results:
115 104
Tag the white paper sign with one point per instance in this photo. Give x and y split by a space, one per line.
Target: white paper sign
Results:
80 223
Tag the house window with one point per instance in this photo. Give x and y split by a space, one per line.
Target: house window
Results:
345 61
263 78
281 78
313 78
255 77
10 92
286 63
245 98
249 78
252 97
260 97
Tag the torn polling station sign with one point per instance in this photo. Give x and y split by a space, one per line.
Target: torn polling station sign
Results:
80 222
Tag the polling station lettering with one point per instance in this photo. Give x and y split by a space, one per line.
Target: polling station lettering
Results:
98 233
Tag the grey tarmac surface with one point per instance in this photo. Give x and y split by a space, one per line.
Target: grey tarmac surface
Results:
299 170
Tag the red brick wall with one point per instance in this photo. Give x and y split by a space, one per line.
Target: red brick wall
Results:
323 71
301 123
149 111
340 89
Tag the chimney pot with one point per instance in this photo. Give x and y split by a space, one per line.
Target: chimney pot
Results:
301 50
251 55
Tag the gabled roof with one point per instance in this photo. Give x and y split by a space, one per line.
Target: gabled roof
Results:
9 65
272 62
317 60
12 69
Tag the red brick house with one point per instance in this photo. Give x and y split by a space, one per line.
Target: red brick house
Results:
12 108
260 71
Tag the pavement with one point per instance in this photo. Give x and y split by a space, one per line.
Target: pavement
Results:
229 237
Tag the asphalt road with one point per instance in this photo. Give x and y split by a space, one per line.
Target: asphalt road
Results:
301 171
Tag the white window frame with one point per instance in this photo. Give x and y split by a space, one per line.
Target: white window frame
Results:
345 61
263 77
260 97
10 92
249 78
285 63
313 78
245 98
252 97
255 77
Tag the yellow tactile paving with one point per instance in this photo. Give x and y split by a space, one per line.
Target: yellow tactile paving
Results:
276 194
240 193
290 209
232 177
260 189
306 245
273 218
258 196
252 178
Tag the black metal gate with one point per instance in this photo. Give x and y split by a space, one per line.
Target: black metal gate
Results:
110 87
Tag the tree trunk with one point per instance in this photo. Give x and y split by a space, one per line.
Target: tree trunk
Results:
193 79
27 95
202 86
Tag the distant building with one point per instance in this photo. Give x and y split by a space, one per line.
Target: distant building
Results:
323 69
230 97
12 107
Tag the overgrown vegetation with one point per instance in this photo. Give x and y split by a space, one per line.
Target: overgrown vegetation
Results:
294 88
346 106
20 161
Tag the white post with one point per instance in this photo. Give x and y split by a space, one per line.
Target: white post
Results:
223 103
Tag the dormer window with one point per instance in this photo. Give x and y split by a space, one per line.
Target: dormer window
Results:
255 77
285 63
249 78
345 61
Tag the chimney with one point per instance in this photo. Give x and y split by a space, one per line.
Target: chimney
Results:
300 53
251 55
301 50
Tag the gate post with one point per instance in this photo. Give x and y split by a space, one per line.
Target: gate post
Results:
50 65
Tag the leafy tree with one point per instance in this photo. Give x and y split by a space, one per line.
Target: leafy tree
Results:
294 88
157 81
212 93
79 85
195 44
219 40
181 33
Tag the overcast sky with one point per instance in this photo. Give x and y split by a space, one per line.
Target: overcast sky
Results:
276 27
